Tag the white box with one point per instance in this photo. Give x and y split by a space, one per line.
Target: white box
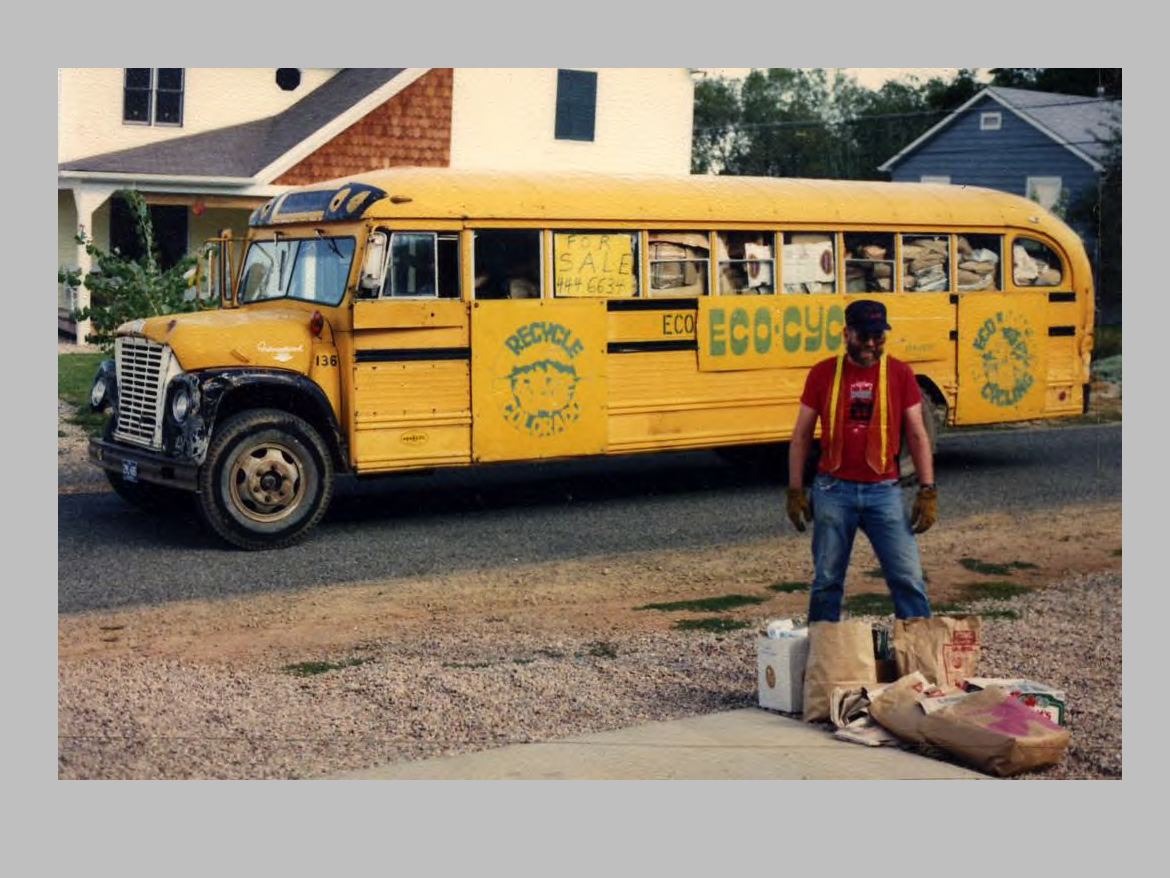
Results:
1038 696
781 672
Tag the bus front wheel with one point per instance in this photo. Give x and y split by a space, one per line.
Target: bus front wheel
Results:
267 480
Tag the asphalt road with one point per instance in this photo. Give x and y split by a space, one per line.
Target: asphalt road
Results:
112 555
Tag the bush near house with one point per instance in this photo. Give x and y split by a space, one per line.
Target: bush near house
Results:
124 289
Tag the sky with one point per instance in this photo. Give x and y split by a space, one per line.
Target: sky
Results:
870 77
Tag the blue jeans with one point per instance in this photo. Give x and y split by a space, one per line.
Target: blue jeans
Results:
839 509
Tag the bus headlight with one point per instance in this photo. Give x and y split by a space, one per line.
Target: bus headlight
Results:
97 393
104 387
184 398
182 403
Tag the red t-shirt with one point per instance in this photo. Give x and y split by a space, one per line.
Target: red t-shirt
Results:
859 390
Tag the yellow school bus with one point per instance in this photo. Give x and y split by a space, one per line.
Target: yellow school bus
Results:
410 319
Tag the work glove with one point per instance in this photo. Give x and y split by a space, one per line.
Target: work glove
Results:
798 509
925 510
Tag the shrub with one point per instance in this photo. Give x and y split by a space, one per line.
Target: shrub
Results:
124 289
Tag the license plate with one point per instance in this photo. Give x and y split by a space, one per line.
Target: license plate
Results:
130 470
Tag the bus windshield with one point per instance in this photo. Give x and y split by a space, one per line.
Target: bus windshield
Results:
311 269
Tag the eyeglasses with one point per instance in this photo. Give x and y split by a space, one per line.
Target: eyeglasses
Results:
864 337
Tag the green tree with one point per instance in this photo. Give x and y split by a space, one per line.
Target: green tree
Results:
1101 210
1061 80
124 289
777 122
715 126
795 122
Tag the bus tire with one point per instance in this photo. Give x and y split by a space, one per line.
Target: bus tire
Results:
908 474
267 480
149 497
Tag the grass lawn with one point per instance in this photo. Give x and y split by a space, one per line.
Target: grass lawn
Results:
74 376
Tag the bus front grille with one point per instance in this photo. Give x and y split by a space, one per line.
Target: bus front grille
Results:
142 367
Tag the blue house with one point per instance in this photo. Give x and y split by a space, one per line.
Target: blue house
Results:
1047 147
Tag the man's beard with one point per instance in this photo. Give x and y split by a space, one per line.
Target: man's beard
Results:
860 353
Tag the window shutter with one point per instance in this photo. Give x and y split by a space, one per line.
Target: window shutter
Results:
576 104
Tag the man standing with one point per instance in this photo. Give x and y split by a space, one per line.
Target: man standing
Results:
866 401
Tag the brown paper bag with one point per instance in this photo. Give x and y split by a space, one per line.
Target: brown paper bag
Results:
901 706
945 649
840 654
994 732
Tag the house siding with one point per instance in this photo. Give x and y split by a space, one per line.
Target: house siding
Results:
89 105
505 118
1002 159
412 128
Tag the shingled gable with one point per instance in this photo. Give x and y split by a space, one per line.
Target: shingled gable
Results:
259 151
1077 123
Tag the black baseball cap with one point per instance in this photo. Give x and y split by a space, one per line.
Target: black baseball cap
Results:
866 315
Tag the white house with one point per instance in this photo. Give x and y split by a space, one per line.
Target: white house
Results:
206 145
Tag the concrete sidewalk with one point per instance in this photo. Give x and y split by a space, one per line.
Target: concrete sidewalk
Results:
748 744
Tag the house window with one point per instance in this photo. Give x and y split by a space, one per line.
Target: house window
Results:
990 121
288 78
153 96
1045 191
576 104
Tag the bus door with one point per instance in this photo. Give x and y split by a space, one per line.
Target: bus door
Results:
539 383
1002 357
411 393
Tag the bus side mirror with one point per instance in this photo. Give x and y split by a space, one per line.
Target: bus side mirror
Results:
373 266
210 281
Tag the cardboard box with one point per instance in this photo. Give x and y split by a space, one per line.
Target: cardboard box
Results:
781 672
1043 699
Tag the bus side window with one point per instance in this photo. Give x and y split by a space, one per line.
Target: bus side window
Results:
1034 264
869 262
507 263
679 263
412 265
595 264
746 264
810 262
979 262
449 278
926 263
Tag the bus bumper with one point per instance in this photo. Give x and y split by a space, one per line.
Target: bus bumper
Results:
140 465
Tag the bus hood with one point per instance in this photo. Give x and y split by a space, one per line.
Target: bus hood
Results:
277 338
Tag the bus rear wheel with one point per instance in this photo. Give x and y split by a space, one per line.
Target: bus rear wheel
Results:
267 480
931 419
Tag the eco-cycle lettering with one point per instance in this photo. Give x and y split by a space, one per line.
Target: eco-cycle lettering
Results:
1002 344
758 336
